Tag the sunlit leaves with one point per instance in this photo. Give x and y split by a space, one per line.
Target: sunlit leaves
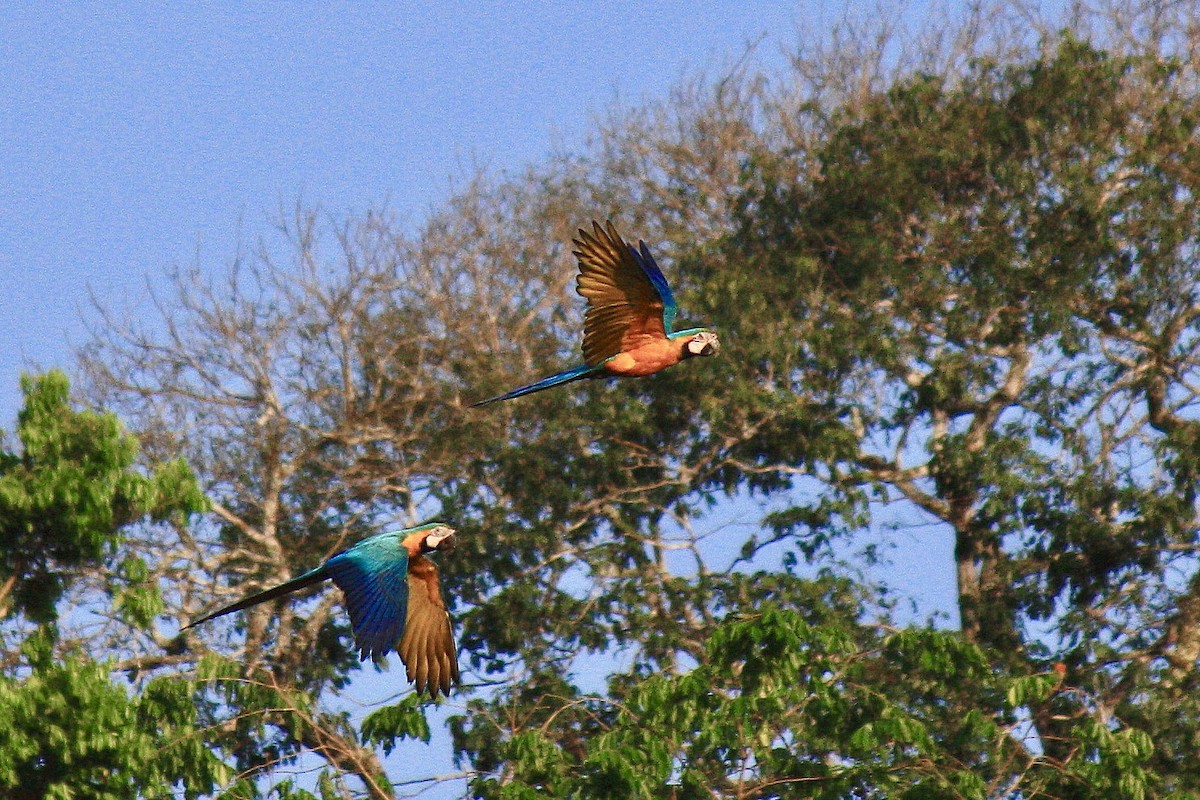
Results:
68 731
795 710
66 494
404 720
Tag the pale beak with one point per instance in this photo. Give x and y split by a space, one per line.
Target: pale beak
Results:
442 540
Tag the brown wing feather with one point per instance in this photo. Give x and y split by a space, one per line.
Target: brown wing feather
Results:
624 310
427 647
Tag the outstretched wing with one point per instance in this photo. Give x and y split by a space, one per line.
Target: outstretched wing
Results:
427 649
629 301
374 577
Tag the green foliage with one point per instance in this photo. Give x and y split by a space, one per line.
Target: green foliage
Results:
68 731
139 601
278 718
783 708
288 790
403 720
969 310
66 495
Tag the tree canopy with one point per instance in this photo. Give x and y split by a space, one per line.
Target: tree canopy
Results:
67 729
957 290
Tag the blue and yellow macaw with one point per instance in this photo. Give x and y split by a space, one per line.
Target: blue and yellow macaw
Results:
394 598
627 326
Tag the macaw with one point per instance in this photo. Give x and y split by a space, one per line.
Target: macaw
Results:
630 312
394 598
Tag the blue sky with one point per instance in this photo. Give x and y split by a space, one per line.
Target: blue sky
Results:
136 136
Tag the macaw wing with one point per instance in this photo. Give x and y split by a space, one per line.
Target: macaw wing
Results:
650 267
427 648
374 577
629 302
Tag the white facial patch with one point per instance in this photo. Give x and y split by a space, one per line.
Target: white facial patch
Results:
704 343
441 538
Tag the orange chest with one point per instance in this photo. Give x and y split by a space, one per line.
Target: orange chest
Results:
422 575
648 359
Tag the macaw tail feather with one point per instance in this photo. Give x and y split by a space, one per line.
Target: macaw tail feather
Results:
572 374
307 579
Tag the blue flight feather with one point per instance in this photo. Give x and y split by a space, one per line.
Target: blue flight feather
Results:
307 579
659 281
572 374
374 577
685 333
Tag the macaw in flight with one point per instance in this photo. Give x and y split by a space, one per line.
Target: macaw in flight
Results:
630 312
394 598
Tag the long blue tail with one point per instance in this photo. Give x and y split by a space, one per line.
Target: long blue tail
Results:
572 374
307 579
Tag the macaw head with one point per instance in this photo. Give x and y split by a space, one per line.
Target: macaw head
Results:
439 539
704 343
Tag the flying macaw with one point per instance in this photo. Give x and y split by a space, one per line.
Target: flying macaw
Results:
394 599
630 312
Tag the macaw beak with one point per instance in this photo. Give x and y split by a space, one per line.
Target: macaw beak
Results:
442 540
708 350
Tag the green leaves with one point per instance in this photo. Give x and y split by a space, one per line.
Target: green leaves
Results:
66 495
1031 689
138 600
823 709
826 711
403 720
68 731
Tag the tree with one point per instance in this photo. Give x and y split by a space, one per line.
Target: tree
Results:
959 287
67 729
1013 262
66 495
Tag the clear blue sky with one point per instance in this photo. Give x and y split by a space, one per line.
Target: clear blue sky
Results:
134 136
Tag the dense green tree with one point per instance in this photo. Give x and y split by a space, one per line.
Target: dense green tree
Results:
67 728
66 494
1007 323
983 305
957 288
